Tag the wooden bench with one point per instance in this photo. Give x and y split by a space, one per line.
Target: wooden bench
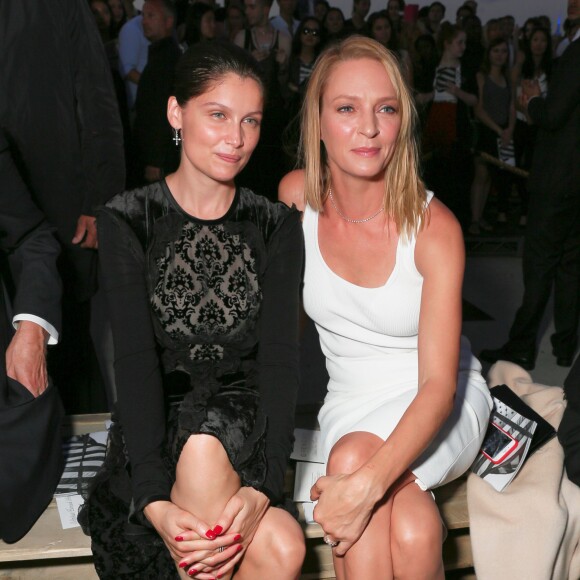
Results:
48 550
59 554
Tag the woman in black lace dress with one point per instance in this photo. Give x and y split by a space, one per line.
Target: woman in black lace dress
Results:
202 280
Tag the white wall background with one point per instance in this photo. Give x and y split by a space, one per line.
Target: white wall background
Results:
486 9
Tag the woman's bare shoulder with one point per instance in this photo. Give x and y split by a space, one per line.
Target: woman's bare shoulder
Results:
291 189
440 237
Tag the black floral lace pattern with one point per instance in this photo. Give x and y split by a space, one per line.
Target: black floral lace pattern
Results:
200 312
207 289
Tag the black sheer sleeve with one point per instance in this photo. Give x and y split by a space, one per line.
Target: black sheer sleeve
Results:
137 371
278 351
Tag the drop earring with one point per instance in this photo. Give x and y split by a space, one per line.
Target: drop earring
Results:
177 137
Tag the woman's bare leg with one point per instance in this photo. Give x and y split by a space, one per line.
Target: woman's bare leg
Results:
370 557
277 550
416 535
204 480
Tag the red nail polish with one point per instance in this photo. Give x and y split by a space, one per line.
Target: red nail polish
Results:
179 538
239 548
192 572
210 534
218 530
183 564
220 576
237 537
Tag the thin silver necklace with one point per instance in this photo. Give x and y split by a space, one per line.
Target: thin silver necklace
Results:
347 219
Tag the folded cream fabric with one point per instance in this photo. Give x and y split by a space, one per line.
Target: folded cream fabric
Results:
530 530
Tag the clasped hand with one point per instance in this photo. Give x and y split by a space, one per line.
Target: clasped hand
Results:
345 505
194 544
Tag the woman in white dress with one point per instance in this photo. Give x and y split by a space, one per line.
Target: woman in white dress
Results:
406 408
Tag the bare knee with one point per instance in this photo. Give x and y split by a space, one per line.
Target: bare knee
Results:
278 549
416 545
352 451
288 548
203 456
204 476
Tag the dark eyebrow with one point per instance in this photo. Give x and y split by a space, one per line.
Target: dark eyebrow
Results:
222 106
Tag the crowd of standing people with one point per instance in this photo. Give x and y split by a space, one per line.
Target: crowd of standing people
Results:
465 75
202 270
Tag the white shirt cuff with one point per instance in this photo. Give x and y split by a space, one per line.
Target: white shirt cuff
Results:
53 334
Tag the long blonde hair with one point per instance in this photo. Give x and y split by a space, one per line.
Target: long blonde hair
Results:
405 195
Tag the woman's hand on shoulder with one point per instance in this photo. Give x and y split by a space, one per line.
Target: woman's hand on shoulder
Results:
291 189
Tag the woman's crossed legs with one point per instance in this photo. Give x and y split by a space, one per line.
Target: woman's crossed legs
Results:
404 536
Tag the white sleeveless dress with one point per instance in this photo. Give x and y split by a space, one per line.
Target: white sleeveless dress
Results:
369 337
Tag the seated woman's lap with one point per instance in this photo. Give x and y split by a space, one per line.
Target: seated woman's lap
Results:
455 446
413 521
278 543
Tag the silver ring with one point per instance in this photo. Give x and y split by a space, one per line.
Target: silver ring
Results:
328 541
221 549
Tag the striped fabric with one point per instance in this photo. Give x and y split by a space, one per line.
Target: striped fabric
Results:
444 75
83 458
506 153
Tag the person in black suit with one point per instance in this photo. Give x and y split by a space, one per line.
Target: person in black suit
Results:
158 155
59 111
552 239
30 408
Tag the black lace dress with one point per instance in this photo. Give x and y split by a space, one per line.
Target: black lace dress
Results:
205 325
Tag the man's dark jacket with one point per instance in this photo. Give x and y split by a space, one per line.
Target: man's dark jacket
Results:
59 112
30 435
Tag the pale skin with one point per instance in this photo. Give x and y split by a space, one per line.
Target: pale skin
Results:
209 508
386 525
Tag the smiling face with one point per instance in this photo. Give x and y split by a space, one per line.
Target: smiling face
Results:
359 119
219 129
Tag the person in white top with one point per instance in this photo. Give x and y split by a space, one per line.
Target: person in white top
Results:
407 407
